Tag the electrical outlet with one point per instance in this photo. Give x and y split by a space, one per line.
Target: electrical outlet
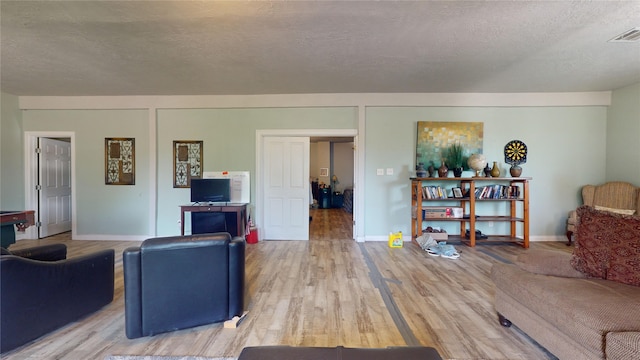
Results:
380 172
490 223
389 171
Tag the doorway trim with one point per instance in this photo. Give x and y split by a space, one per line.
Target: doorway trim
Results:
31 175
261 134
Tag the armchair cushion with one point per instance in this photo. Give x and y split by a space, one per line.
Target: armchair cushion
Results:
623 344
615 211
548 262
180 282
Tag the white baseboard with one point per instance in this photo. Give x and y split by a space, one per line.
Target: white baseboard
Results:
99 237
22 236
536 238
381 238
96 237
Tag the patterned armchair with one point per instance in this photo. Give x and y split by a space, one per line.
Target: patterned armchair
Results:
615 196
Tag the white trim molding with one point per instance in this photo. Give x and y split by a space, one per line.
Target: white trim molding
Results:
595 98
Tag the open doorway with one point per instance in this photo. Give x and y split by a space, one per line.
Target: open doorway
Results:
49 182
263 170
332 168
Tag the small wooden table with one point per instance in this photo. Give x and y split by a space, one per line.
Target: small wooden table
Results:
240 211
21 220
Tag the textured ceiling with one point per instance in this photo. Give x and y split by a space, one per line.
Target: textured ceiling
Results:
252 47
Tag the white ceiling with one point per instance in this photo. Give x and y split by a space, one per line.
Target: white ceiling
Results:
267 47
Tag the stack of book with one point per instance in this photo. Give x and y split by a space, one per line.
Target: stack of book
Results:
498 192
433 192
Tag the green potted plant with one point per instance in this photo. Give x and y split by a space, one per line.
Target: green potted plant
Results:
455 159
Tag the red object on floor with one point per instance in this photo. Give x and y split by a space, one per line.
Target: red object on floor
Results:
252 236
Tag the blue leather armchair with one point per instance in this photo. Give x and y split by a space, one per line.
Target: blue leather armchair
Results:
174 283
41 290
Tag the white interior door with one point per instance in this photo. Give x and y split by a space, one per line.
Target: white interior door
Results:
54 200
286 188
354 192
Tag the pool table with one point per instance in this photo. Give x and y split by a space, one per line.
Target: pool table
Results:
21 219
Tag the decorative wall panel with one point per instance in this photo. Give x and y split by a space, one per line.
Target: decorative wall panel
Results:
187 162
120 161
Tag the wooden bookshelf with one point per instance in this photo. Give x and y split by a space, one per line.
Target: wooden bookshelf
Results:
512 190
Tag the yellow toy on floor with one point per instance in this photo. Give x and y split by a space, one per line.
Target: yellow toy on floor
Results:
395 240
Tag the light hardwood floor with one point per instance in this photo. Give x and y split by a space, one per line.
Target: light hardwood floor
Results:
330 224
321 293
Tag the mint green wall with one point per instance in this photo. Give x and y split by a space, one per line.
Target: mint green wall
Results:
103 209
566 149
11 155
623 135
229 137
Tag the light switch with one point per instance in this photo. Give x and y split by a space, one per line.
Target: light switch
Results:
380 172
389 171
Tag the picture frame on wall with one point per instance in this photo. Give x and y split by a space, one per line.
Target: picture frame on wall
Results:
120 161
187 162
435 137
457 192
324 171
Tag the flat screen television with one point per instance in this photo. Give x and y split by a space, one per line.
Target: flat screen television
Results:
210 190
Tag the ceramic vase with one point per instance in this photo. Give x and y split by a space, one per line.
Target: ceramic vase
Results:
457 171
487 171
431 169
495 170
515 170
421 171
443 170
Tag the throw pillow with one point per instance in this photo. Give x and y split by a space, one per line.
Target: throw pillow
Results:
624 256
591 253
615 211
608 246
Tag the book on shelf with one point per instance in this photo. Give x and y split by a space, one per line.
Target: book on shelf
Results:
498 192
494 191
433 192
